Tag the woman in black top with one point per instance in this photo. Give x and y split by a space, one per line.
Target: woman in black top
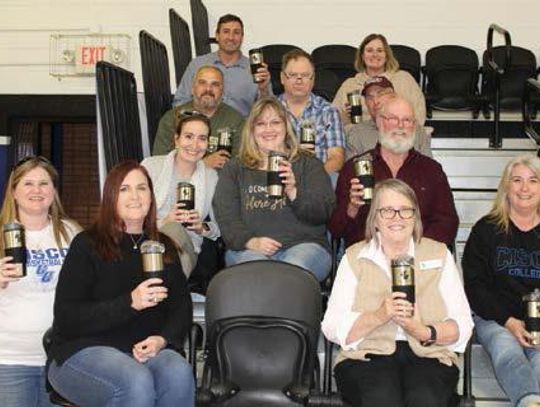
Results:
115 334
501 264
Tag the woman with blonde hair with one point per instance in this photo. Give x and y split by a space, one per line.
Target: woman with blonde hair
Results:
257 227
375 58
26 303
501 264
397 352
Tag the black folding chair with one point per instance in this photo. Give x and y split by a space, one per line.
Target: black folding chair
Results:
263 324
272 57
119 114
409 59
156 80
181 44
522 66
336 58
326 83
450 79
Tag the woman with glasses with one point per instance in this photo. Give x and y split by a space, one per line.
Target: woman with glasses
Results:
395 352
375 58
501 264
116 333
26 303
186 164
256 226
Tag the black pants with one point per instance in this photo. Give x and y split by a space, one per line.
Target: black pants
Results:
209 262
400 379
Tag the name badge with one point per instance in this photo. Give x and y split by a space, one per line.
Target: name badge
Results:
430 264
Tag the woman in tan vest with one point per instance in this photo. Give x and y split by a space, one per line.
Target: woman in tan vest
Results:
395 352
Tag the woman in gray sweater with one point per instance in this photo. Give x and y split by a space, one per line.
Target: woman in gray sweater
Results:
258 227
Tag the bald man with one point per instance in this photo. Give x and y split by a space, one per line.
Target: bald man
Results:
207 92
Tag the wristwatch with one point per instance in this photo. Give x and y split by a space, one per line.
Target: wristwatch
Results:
433 337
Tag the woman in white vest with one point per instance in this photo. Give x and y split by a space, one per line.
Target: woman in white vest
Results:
395 352
26 303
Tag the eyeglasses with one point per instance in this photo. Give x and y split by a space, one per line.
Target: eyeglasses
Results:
273 124
191 113
406 122
390 213
305 76
36 158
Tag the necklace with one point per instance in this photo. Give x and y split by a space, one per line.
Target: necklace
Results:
136 242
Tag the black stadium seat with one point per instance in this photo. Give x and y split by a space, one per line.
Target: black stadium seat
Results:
336 58
326 83
263 324
272 57
451 79
409 59
522 67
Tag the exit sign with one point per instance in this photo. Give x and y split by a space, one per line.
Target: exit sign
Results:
88 55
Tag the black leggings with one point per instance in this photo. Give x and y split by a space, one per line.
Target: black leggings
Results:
397 380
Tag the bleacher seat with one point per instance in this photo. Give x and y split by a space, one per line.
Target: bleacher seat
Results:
522 66
273 54
409 59
336 58
263 324
451 79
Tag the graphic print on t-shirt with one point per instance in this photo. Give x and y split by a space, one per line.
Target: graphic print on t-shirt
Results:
517 262
43 266
256 198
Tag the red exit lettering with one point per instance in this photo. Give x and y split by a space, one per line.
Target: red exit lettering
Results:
90 55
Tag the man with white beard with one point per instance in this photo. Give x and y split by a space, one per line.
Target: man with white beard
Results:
395 157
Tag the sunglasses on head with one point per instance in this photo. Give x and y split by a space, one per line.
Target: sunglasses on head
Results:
35 158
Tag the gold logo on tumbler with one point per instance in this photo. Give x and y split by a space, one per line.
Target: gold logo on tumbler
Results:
255 58
13 239
185 194
402 275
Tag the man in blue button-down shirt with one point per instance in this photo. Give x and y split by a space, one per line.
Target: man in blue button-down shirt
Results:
240 89
304 107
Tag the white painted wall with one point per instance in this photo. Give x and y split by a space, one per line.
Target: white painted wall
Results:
25 26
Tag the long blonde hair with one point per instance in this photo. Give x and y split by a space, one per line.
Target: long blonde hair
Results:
10 210
391 64
500 212
400 187
250 155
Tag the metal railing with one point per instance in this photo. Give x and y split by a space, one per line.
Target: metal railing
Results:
495 140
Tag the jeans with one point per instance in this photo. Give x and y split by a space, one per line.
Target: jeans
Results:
310 256
103 376
23 386
517 368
